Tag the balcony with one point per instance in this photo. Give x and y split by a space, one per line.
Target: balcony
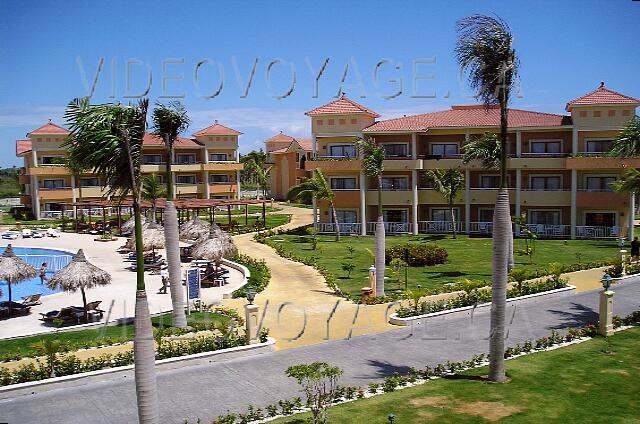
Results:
222 166
215 188
598 199
396 197
391 227
481 228
546 197
439 227
48 170
594 232
61 193
334 164
345 228
593 162
537 162
431 196
487 195
549 231
437 161
92 191
402 164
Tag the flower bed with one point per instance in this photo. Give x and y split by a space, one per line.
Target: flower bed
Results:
259 278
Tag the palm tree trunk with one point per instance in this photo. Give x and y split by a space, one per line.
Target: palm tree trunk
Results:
153 212
169 174
84 304
335 220
453 217
143 347
380 244
10 308
79 199
171 242
511 263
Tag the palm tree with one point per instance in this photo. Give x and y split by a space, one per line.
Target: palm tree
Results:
319 188
447 182
262 174
627 143
629 183
108 138
152 190
484 51
373 166
168 123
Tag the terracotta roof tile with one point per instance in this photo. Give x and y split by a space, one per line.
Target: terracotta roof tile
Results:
49 129
280 138
343 105
469 116
154 140
602 96
305 144
217 129
283 150
23 146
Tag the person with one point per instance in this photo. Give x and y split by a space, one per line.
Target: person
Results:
635 248
209 272
164 275
43 273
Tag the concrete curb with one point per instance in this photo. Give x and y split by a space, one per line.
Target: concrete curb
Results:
469 310
33 387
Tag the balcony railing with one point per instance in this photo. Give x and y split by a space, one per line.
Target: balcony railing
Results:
438 157
544 155
597 232
481 228
439 227
391 227
345 228
328 157
55 214
549 231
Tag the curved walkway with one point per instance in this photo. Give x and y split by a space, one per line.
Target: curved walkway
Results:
300 308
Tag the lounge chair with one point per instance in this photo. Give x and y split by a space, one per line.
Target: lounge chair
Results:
92 309
37 234
32 299
52 232
26 233
154 266
10 235
4 311
16 307
67 315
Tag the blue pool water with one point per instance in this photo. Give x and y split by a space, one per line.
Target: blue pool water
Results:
55 259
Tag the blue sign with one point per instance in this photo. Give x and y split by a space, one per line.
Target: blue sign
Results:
193 283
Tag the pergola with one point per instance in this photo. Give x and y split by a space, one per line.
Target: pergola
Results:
186 207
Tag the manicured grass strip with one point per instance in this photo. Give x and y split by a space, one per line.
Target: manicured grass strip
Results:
14 348
468 257
575 384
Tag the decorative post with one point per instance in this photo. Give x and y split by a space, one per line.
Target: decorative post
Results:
605 319
622 254
251 319
371 288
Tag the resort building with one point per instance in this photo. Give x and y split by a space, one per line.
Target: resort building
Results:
286 155
558 174
204 167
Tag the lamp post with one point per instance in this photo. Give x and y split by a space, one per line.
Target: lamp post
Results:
251 318
605 318
622 254
391 417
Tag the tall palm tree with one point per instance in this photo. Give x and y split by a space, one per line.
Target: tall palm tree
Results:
484 51
627 143
152 190
262 174
373 166
319 188
108 138
169 121
447 182
629 183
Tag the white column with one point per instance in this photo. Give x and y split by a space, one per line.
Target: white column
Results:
207 189
467 199
205 155
35 199
574 209
414 201
518 144
238 184
632 215
363 204
414 146
518 194
574 141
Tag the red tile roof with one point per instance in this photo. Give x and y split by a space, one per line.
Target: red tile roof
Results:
305 144
469 116
217 129
283 150
154 140
23 146
602 96
343 105
280 138
49 129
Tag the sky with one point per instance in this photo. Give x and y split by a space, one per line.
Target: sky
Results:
258 66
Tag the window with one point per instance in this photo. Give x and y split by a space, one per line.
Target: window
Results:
89 182
185 158
546 147
599 183
395 150
343 151
319 122
53 184
600 219
597 113
544 217
490 181
342 121
152 159
346 216
395 215
51 160
218 197
583 113
598 146
343 183
626 112
394 183
331 122
545 183
186 179
612 113
218 157
443 215
219 178
444 149
486 215
53 207
354 121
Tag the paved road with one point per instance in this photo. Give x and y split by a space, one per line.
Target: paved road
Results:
207 391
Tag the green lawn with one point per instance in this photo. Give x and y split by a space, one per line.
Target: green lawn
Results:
24 346
468 257
575 384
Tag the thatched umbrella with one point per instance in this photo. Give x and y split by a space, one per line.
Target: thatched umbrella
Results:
130 224
14 270
194 229
79 274
215 247
152 238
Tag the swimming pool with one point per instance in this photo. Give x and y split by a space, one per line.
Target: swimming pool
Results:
34 256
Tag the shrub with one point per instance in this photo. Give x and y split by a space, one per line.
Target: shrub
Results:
424 254
260 274
319 384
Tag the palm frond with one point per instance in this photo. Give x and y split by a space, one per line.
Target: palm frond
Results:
627 143
169 121
629 183
486 148
372 157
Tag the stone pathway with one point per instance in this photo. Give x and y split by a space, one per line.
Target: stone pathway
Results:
210 390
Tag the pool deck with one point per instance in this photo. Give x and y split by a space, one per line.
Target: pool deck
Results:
121 291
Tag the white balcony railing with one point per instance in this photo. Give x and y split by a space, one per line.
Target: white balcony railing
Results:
439 227
345 227
481 228
549 231
596 232
391 227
